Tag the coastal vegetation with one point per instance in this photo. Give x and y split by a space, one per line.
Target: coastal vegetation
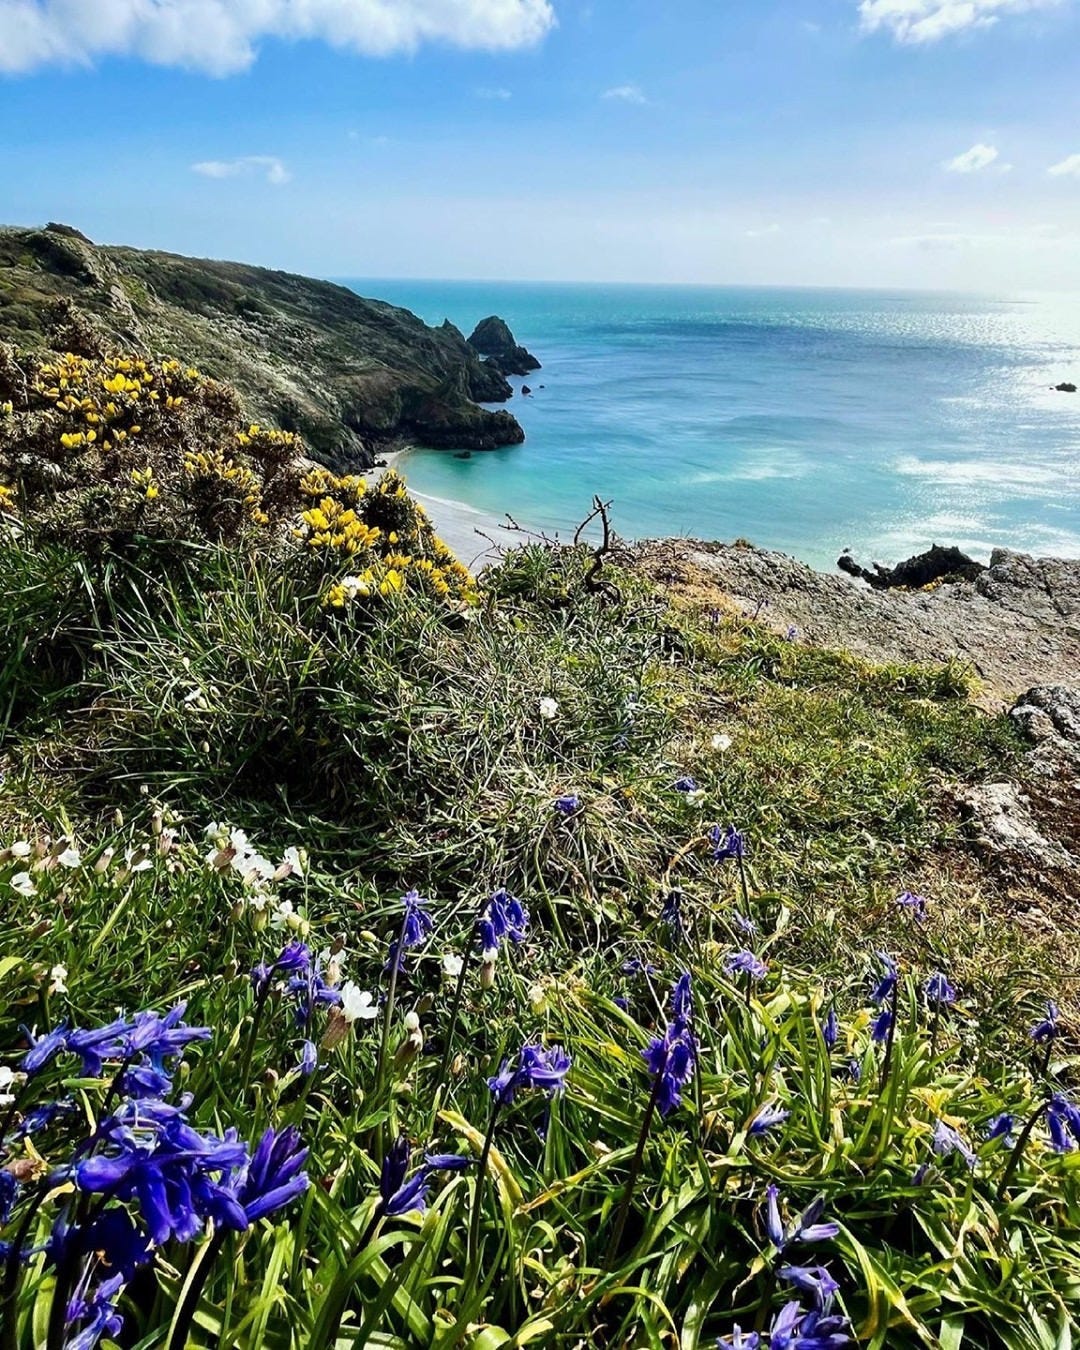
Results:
395 957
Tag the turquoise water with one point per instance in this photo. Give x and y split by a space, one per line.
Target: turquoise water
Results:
804 420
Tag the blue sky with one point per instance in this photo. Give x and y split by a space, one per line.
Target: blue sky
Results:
849 142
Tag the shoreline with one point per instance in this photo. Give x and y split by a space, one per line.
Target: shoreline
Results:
474 536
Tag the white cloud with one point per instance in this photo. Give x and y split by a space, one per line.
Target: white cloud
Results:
272 168
915 21
496 95
1068 168
972 161
625 93
222 36
763 233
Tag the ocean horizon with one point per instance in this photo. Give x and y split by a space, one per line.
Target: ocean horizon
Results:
809 420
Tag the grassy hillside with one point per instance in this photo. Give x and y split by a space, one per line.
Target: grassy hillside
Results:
349 374
290 766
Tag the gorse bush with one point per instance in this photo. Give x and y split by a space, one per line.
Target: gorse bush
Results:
686 1029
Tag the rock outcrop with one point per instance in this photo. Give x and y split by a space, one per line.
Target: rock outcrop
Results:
351 375
1017 624
493 339
937 564
1066 387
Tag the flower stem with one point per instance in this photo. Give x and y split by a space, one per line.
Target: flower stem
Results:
478 1194
455 1009
185 1314
635 1170
886 1063
1017 1153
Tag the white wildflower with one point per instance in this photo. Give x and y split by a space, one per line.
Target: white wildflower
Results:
696 797
357 1005
549 709
20 849
721 741
8 1078
23 883
69 858
283 915
57 977
452 965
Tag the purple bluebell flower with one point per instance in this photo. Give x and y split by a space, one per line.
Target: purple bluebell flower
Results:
767 1118
1047 1029
813 1280
43 1049
274 1177
1001 1127
160 1166
1064 1120
505 916
504 1084
830 1032
309 990
879 1032
917 905
295 959
418 923
685 784
636 966
544 1069
537 1068
447 1162
939 991
743 924
567 804
39 1118
622 1002
727 843
671 916
745 963
96 1310
1060 1141
805 1228
309 1059
854 1070
822 1331
887 983
792 632
671 1057
399 1194
946 1141
682 998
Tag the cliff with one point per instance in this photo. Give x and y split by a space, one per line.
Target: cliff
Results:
351 375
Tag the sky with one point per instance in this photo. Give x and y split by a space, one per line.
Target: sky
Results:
916 143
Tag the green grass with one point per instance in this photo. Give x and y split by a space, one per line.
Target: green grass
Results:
405 748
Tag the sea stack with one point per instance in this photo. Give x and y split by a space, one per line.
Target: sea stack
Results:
492 338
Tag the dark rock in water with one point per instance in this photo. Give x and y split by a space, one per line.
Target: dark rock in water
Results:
925 569
351 376
526 391
463 454
1065 388
492 338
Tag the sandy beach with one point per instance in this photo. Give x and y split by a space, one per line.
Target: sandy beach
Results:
476 537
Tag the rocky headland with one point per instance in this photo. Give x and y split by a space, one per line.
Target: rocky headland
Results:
353 376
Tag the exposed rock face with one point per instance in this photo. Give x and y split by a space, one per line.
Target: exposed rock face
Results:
1065 388
351 375
925 569
492 338
1032 831
1017 624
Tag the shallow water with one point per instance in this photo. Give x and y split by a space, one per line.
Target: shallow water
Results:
804 420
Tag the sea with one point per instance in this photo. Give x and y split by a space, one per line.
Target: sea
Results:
808 420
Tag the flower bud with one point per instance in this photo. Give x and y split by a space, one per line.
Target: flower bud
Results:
118 819
157 821
237 913
204 747
102 864
426 1004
